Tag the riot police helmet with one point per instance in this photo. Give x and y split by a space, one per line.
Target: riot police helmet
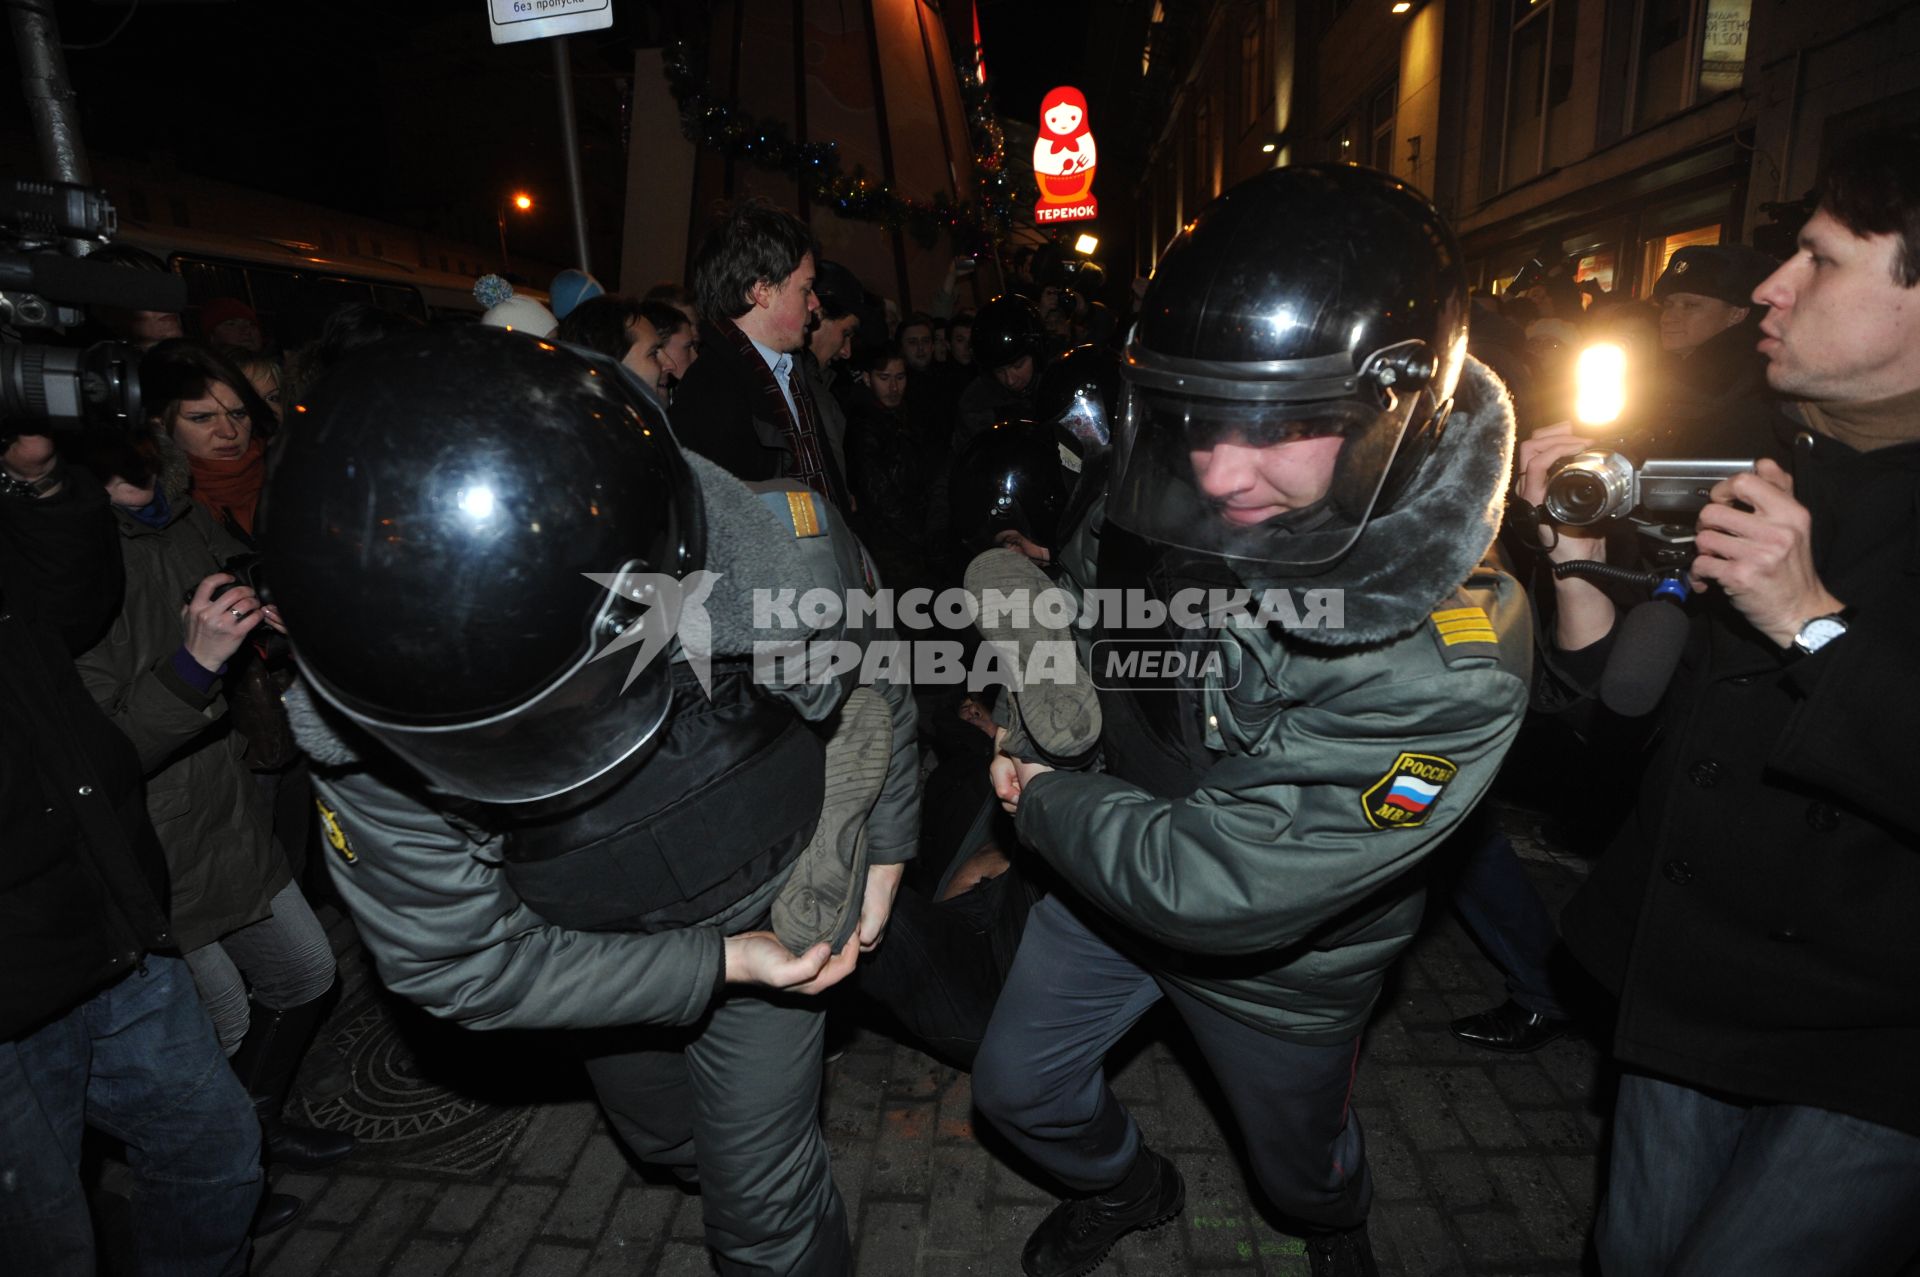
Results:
461 524
1005 330
1008 479
1314 313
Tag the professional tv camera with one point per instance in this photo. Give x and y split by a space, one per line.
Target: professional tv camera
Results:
49 388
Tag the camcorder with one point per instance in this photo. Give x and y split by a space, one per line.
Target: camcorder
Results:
47 388
1628 481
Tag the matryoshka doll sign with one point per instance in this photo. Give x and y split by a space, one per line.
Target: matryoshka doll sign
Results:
1063 159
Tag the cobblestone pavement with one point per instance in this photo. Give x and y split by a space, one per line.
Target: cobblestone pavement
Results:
1482 1163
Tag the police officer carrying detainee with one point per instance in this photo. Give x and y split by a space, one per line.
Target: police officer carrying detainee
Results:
532 837
1300 414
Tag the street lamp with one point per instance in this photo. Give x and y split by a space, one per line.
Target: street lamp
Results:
524 203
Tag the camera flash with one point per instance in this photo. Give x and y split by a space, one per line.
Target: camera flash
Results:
1600 384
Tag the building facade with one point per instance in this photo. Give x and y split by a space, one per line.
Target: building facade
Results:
1605 134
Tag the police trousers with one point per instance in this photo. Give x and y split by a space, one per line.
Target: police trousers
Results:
735 1100
1041 1077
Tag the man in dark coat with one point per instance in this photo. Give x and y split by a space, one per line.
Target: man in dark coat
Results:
746 404
1756 915
1711 397
99 1022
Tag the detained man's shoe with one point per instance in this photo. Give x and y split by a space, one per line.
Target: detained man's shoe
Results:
1076 1237
1056 709
1509 1027
1346 1253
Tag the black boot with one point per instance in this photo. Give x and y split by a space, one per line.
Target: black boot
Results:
267 1061
1079 1233
275 1212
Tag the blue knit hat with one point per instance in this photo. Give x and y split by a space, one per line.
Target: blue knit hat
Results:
571 287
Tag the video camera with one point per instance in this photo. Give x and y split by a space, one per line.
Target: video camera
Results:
49 388
1627 481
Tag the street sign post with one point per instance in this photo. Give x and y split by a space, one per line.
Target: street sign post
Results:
510 21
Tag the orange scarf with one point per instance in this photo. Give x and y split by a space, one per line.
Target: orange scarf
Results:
232 488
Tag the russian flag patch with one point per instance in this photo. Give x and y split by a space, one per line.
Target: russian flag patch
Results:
1403 797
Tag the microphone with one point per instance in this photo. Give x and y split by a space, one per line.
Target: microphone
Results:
1646 651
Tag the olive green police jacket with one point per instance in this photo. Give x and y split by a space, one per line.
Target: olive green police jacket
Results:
1280 889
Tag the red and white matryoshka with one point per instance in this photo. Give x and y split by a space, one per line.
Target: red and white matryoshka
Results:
1063 154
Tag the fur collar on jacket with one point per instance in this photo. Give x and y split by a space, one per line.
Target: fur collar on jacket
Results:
1409 559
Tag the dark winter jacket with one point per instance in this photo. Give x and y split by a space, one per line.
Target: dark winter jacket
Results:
1756 914
82 879
719 412
215 822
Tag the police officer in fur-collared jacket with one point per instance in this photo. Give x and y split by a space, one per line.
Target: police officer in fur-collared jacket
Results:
1299 415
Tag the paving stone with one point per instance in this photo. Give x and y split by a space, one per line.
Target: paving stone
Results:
911 1075
1480 1109
305 1254
683 1259
639 1220
687 1223
1421 1108
1555 1129
510 1223
890 1237
384 1226
1220 1216
1549 1220
344 1201
902 1155
959 1212
426 1257
1579 1181
1459 1180
1413 1239
598 1173
1396 1172
1495 1236
1525 1083
955 1117
553 1140
548 1259
460 1207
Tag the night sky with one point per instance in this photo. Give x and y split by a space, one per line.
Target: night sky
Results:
406 112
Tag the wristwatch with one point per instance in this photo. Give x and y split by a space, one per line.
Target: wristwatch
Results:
1819 632
29 489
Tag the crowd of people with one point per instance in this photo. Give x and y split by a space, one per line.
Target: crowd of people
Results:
329 623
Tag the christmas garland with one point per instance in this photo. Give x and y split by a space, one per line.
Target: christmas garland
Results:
972 225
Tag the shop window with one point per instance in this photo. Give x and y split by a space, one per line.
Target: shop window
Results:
1660 251
1540 125
1598 265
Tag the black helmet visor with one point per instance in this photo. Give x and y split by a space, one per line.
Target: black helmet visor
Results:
584 724
1245 479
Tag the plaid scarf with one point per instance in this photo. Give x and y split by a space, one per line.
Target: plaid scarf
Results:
806 448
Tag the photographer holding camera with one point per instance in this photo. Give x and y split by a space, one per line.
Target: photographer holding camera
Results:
1755 916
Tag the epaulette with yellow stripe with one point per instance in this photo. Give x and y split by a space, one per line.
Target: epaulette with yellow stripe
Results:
1464 630
800 509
